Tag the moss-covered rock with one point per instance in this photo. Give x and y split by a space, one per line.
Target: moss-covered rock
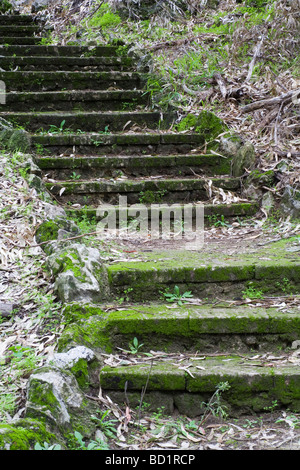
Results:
13 139
80 275
206 124
54 397
24 434
56 229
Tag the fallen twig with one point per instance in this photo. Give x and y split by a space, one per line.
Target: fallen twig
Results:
255 56
285 97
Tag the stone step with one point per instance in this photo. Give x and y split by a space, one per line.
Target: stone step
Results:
212 212
163 190
81 100
19 40
125 143
189 328
85 121
54 63
19 30
48 81
59 51
184 383
211 270
16 19
62 168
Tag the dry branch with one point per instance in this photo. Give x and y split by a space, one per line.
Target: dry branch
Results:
255 56
285 97
221 83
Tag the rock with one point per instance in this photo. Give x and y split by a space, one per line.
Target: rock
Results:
54 229
53 212
39 5
253 186
67 360
290 202
54 398
267 201
53 395
229 146
243 159
82 362
79 274
14 139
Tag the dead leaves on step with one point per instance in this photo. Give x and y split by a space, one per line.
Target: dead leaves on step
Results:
138 429
219 195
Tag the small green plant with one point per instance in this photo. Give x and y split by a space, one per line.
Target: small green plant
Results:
252 293
151 197
135 346
75 176
46 446
290 419
53 129
271 407
46 41
105 132
286 286
218 221
176 297
77 443
108 426
5 6
214 406
125 297
104 18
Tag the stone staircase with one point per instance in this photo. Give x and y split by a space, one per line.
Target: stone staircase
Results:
96 139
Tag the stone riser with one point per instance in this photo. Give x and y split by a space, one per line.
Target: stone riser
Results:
57 81
226 210
20 40
87 122
155 191
74 101
57 51
86 64
117 144
18 31
16 19
62 168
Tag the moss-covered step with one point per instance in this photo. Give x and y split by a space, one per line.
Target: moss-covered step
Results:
19 30
184 383
123 143
143 190
62 168
47 81
207 270
212 212
64 51
66 63
110 121
172 328
76 100
19 40
16 19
